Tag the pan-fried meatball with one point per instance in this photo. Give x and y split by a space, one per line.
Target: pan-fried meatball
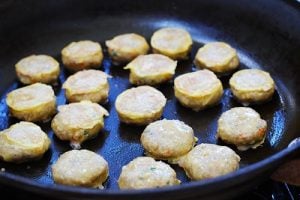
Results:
208 161
151 69
124 48
252 86
23 142
35 102
80 168
218 57
37 68
198 90
140 105
89 85
77 122
82 55
173 42
242 127
168 139
145 172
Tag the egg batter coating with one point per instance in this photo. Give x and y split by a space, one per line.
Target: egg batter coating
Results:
151 69
168 139
140 105
209 161
37 68
145 172
242 127
80 168
198 90
218 57
252 86
82 55
89 85
175 43
35 102
77 122
124 48
23 142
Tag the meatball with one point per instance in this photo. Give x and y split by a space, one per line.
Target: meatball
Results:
35 102
198 90
173 42
252 86
140 105
218 57
80 168
151 69
208 161
77 122
37 68
89 85
82 55
124 48
23 142
168 139
242 127
145 172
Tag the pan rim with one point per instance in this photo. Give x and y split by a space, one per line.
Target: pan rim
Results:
237 176
242 175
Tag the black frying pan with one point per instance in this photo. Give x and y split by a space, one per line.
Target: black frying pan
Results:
265 33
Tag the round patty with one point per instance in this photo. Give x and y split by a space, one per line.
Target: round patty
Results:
151 69
145 172
125 47
175 43
218 57
252 86
208 161
198 90
168 139
37 68
80 168
140 105
22 142
242 127
35 102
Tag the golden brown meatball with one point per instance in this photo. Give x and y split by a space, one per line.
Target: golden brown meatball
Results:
175 43
82 55
140 105
124 48
23 142
145 172
80 168
37 68
198 90
35 102
89 85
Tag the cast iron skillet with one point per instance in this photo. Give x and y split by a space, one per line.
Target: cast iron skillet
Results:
265 33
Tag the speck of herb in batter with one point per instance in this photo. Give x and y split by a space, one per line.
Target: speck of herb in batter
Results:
152 168
85 132
114 54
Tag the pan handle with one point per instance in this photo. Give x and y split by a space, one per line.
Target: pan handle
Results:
288 171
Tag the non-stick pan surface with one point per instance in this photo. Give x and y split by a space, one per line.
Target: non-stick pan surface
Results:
265 33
